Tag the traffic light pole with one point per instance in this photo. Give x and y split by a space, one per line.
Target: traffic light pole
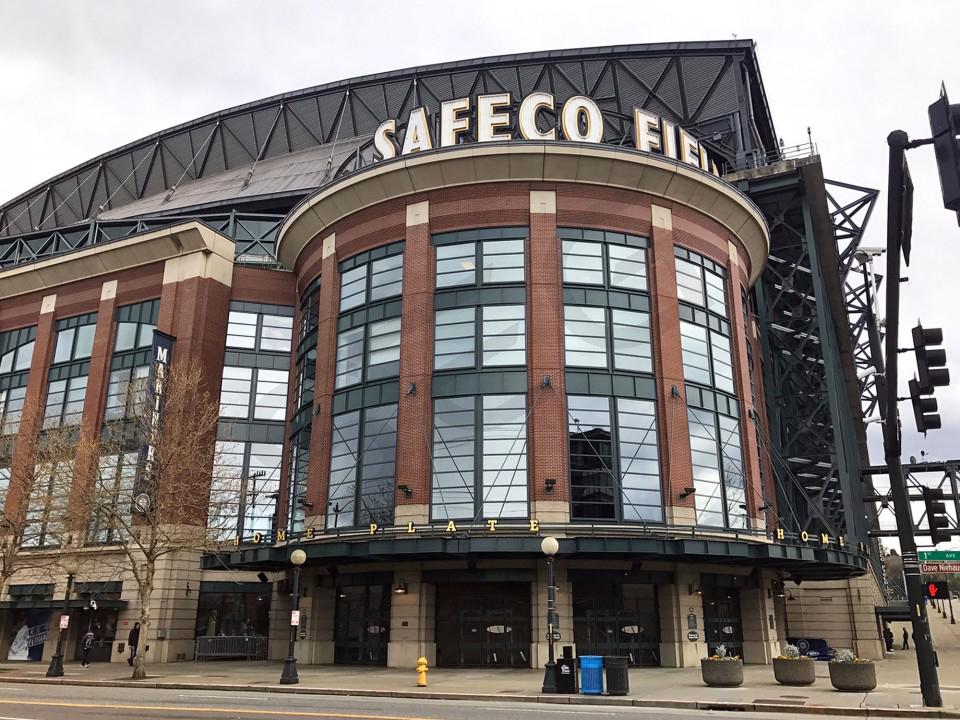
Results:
926 659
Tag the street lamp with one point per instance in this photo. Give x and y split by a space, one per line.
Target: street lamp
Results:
56 662
549 546
289 675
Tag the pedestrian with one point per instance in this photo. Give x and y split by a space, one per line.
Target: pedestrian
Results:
133 640
906 644
888 638
86 645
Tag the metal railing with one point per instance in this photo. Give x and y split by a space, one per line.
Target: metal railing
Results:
240 647
759 160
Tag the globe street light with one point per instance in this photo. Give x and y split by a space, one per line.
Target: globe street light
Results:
549 546
56 662
289 675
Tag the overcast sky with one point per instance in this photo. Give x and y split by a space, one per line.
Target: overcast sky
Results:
81 78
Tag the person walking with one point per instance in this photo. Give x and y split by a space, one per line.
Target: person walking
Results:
133 640
888 638
85 647
906 644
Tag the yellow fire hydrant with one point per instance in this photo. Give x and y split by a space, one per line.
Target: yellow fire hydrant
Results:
422 670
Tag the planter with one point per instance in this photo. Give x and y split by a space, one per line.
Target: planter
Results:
801 671
722 673
853 676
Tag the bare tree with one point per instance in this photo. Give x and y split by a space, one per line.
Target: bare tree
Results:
150 488
36 520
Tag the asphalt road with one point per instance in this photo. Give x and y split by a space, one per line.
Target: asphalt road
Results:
56 702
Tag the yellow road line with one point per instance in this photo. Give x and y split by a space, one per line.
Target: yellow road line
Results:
235 711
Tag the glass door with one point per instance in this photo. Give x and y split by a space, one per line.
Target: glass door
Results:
362 625
721 619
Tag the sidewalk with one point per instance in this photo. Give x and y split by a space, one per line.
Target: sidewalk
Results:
897 693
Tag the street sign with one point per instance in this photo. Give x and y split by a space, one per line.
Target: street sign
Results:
939 568
935 590
693 635
64 622
939 555
295 618
302 634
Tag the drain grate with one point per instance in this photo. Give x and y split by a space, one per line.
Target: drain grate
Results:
782 700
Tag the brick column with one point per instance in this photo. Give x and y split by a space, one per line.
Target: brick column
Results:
415 414
748 440
674 442
547 425
21 468
318 471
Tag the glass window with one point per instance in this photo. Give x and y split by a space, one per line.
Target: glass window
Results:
716 293
383 351
504 335
11 409
456 264
690 282
299 470
64 345
701 282
631 341
4 486
47 504
371 281
386 277
242 330
126 392
244 489
349 357
614 466
64 402
454 341
235 389
276 333
259 330
16 349
585 331
113 500
353 288
271 398
592 486
362 467
696 354
24 356
604 258
481 476
481 262
74 339
715 451
582 262
135 325
722 362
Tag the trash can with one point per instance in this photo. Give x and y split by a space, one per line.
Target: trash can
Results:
618 680
591 675
567 676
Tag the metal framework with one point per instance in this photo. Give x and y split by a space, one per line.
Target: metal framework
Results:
713 89
942 475
816 442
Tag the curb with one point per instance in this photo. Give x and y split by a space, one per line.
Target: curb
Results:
718 705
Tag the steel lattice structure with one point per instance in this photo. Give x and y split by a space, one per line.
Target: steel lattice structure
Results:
713 89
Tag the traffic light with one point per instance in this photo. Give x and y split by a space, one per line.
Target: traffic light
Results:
931 361
945 127
924 409
935 590
936 515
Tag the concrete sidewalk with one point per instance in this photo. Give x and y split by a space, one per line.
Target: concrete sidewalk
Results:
897 693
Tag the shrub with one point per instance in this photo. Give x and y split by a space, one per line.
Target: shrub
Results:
843 655
791 652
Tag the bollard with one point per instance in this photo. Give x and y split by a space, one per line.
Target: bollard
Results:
422 670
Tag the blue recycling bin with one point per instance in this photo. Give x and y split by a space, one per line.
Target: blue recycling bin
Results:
591 674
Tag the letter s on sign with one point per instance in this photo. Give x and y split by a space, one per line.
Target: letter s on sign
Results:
383 139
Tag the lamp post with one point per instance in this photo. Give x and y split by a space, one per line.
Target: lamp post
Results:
289 675
56 662
549 546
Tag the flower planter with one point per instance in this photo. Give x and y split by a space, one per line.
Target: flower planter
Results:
853 676
800 671
722 673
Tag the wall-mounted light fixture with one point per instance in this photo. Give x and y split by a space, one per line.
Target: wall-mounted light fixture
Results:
693 589
400 588
549 484
687 492
405 489
262 577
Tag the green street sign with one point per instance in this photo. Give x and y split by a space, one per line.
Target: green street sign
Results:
937 555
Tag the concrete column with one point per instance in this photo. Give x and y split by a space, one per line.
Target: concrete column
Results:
761 639
539 650
415 411
174 608
412 623
676 604
545 343
674 440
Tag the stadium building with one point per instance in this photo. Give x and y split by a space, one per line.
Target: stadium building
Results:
450 311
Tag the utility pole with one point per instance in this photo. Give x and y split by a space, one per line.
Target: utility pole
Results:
897 230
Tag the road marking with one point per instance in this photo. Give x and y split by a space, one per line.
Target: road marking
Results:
235 711
8 717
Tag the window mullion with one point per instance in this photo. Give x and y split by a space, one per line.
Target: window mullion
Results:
615 458
478 263
478 456
358 468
